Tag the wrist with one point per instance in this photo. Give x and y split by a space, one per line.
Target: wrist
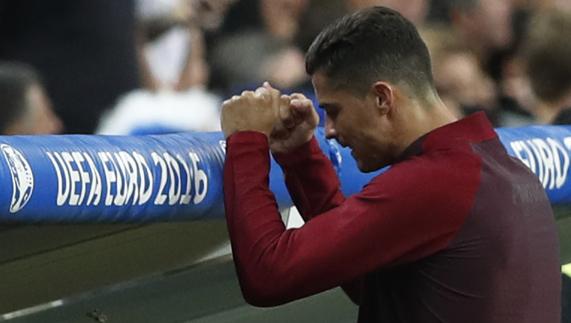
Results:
228 134
285 147
296 155
247 136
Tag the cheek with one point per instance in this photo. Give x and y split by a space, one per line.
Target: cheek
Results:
343 126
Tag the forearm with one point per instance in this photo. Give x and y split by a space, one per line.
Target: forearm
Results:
272 263
311 180
247 201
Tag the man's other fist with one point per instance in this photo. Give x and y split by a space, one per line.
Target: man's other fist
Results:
296 124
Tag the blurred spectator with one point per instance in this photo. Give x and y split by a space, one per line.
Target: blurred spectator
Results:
263 51
281 17
491 29
172 54
172 41
462 84
318 15
243 15
413 10
484 25
253 57
548 64
26 109
538 5
518 97
84 50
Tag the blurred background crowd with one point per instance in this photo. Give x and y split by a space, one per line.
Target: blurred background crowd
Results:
153 66
156 66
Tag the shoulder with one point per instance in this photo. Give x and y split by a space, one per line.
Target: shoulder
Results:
442 180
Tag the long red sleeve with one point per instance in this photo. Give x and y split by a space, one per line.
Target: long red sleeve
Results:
315 189
360 235
311 180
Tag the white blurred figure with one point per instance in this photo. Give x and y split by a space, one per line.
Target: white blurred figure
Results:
144 112
174 69
176 59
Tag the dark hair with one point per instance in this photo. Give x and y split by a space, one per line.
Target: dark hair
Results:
548 55
371 44
15 81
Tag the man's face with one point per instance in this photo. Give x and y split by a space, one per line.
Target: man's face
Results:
358 123
42 119
39 117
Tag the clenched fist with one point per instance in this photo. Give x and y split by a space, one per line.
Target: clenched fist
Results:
252 111
296 123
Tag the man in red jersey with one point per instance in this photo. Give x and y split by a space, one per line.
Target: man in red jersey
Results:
455 231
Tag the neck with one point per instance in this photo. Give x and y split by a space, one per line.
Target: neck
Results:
422 117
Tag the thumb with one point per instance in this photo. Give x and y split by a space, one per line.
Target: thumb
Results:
301 107
303 111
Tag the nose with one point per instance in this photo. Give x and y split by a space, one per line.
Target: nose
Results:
330 132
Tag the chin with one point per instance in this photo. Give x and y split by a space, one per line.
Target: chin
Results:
369 167
371 163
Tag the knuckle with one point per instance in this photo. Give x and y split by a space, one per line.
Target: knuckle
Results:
227 105
275 92
261 90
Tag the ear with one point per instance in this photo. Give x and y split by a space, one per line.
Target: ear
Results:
384 96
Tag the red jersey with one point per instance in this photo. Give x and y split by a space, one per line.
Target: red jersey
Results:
455 231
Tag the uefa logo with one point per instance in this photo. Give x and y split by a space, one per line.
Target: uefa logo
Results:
22 177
